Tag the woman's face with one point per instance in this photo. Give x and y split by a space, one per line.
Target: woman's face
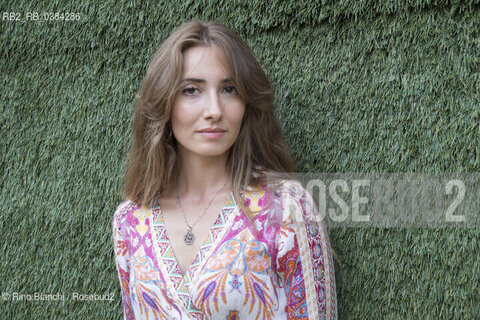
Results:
207 111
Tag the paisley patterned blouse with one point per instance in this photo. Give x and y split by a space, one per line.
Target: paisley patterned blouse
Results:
273 264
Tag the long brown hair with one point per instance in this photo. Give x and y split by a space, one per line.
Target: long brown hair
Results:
153 165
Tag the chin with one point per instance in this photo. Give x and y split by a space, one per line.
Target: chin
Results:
206 149
212 151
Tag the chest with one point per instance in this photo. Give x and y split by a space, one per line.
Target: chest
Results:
230 272
187 230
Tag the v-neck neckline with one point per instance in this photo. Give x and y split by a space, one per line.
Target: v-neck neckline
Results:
176 282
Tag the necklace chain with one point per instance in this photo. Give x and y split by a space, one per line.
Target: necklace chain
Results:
189 237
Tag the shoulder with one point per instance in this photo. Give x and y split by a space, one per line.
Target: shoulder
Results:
276 193
123 209
292 187
293 191
280 186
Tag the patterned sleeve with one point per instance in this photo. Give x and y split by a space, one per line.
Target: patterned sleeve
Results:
304 258
122 259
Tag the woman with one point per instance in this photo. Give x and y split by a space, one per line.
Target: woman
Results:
203 234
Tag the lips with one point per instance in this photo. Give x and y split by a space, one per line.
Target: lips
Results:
211 130
212 133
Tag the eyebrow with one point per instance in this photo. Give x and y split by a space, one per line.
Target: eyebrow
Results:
226 80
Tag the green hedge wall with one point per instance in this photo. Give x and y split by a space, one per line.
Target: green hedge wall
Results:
362 86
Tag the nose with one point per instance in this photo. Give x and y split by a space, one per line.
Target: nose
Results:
213 107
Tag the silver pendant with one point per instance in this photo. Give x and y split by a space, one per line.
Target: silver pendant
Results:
189 238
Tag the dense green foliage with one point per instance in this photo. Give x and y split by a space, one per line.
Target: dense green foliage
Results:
368 86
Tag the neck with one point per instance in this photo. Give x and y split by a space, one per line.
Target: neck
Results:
200 177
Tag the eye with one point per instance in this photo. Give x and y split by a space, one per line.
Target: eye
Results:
230 90
190 91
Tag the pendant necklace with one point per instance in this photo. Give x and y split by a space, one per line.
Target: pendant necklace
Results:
189 237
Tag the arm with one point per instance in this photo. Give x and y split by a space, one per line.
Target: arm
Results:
304 260
122 261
